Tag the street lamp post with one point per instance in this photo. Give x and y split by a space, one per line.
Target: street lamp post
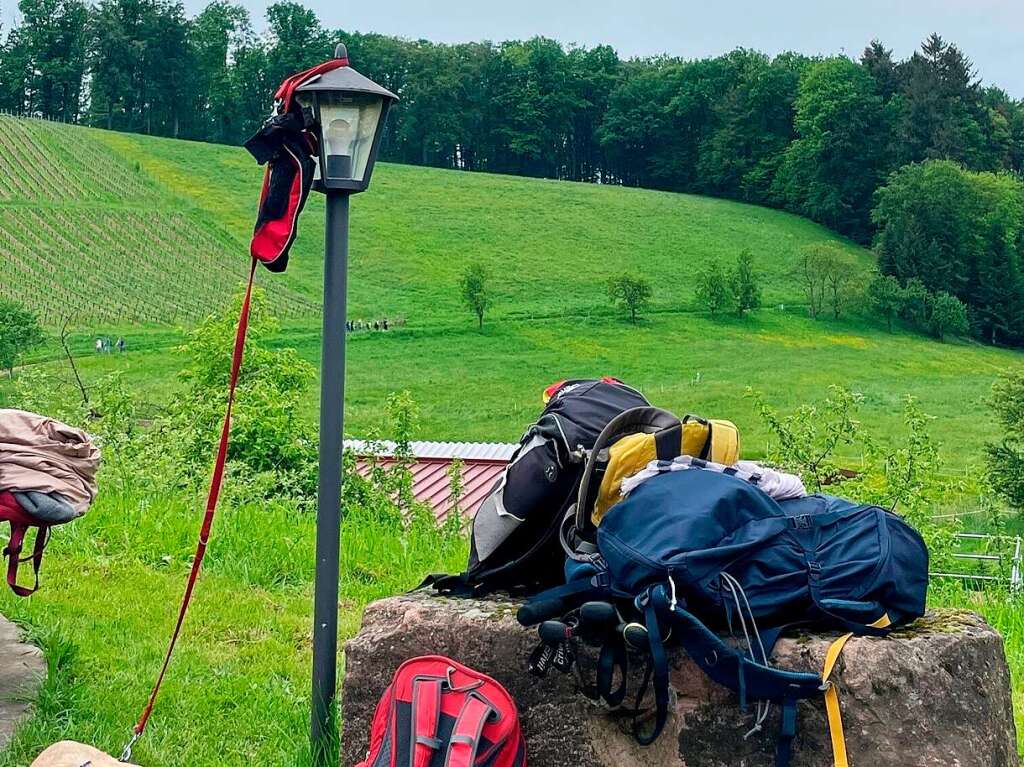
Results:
349 112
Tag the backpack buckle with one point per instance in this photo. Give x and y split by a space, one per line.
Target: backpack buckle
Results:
803 522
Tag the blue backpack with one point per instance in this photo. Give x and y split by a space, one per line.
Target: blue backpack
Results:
691 554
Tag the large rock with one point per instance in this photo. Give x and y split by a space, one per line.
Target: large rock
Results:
68 753
935 694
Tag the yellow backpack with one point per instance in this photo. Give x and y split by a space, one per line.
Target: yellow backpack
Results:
628 443
713 440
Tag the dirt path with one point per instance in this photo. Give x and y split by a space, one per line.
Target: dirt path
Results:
22 673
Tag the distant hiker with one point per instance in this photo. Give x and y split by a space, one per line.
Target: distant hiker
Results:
385 323
376 325
99 345
120 345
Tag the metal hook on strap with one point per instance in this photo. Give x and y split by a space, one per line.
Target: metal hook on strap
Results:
126 754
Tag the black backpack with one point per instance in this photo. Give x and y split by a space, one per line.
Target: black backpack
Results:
515 545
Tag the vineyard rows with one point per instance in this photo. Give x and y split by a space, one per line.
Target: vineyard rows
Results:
51 162
116 266
118 252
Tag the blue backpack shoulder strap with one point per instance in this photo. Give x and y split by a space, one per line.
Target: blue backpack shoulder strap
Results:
723 663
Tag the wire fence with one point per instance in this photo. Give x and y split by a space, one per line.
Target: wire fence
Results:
987 560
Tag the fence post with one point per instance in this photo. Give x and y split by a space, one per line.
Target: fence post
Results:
1015 570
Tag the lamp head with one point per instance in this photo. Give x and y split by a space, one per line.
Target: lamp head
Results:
350 111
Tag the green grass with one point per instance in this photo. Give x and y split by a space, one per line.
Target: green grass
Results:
238 690
550 246
238 693
486 386
172 220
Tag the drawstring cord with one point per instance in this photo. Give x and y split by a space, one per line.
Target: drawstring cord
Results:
763 707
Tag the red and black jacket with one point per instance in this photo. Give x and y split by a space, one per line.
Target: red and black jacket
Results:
288 146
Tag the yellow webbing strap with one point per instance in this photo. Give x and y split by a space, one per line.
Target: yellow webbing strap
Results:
832 710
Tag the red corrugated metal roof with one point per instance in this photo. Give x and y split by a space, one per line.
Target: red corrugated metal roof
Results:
497 451
431 484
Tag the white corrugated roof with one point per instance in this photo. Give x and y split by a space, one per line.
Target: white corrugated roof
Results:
480 451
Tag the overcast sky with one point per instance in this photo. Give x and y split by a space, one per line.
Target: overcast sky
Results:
991 32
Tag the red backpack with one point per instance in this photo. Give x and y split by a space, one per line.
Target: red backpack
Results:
446 715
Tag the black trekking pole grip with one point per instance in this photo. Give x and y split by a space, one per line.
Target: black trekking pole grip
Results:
553 632
546 609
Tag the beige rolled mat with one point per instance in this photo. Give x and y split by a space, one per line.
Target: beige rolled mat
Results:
67 753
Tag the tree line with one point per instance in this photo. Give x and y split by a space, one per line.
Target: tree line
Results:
817 136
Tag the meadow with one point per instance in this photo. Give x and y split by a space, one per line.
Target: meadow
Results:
486 386
165 224
86 235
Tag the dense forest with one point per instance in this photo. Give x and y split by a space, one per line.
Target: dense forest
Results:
815 135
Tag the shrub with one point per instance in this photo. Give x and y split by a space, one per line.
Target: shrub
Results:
903 477
948 316
270 443
915 303
826 273
1005 458
19 333
475 291
885 297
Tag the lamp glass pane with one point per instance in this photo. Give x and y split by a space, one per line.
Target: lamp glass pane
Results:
348 124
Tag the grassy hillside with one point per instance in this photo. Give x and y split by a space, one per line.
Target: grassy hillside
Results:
185 212
551 246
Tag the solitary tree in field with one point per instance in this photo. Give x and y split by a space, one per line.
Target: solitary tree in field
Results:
744 283
712 291
948 317
827 275
475 293
809 274
630 293
19 333
885 297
